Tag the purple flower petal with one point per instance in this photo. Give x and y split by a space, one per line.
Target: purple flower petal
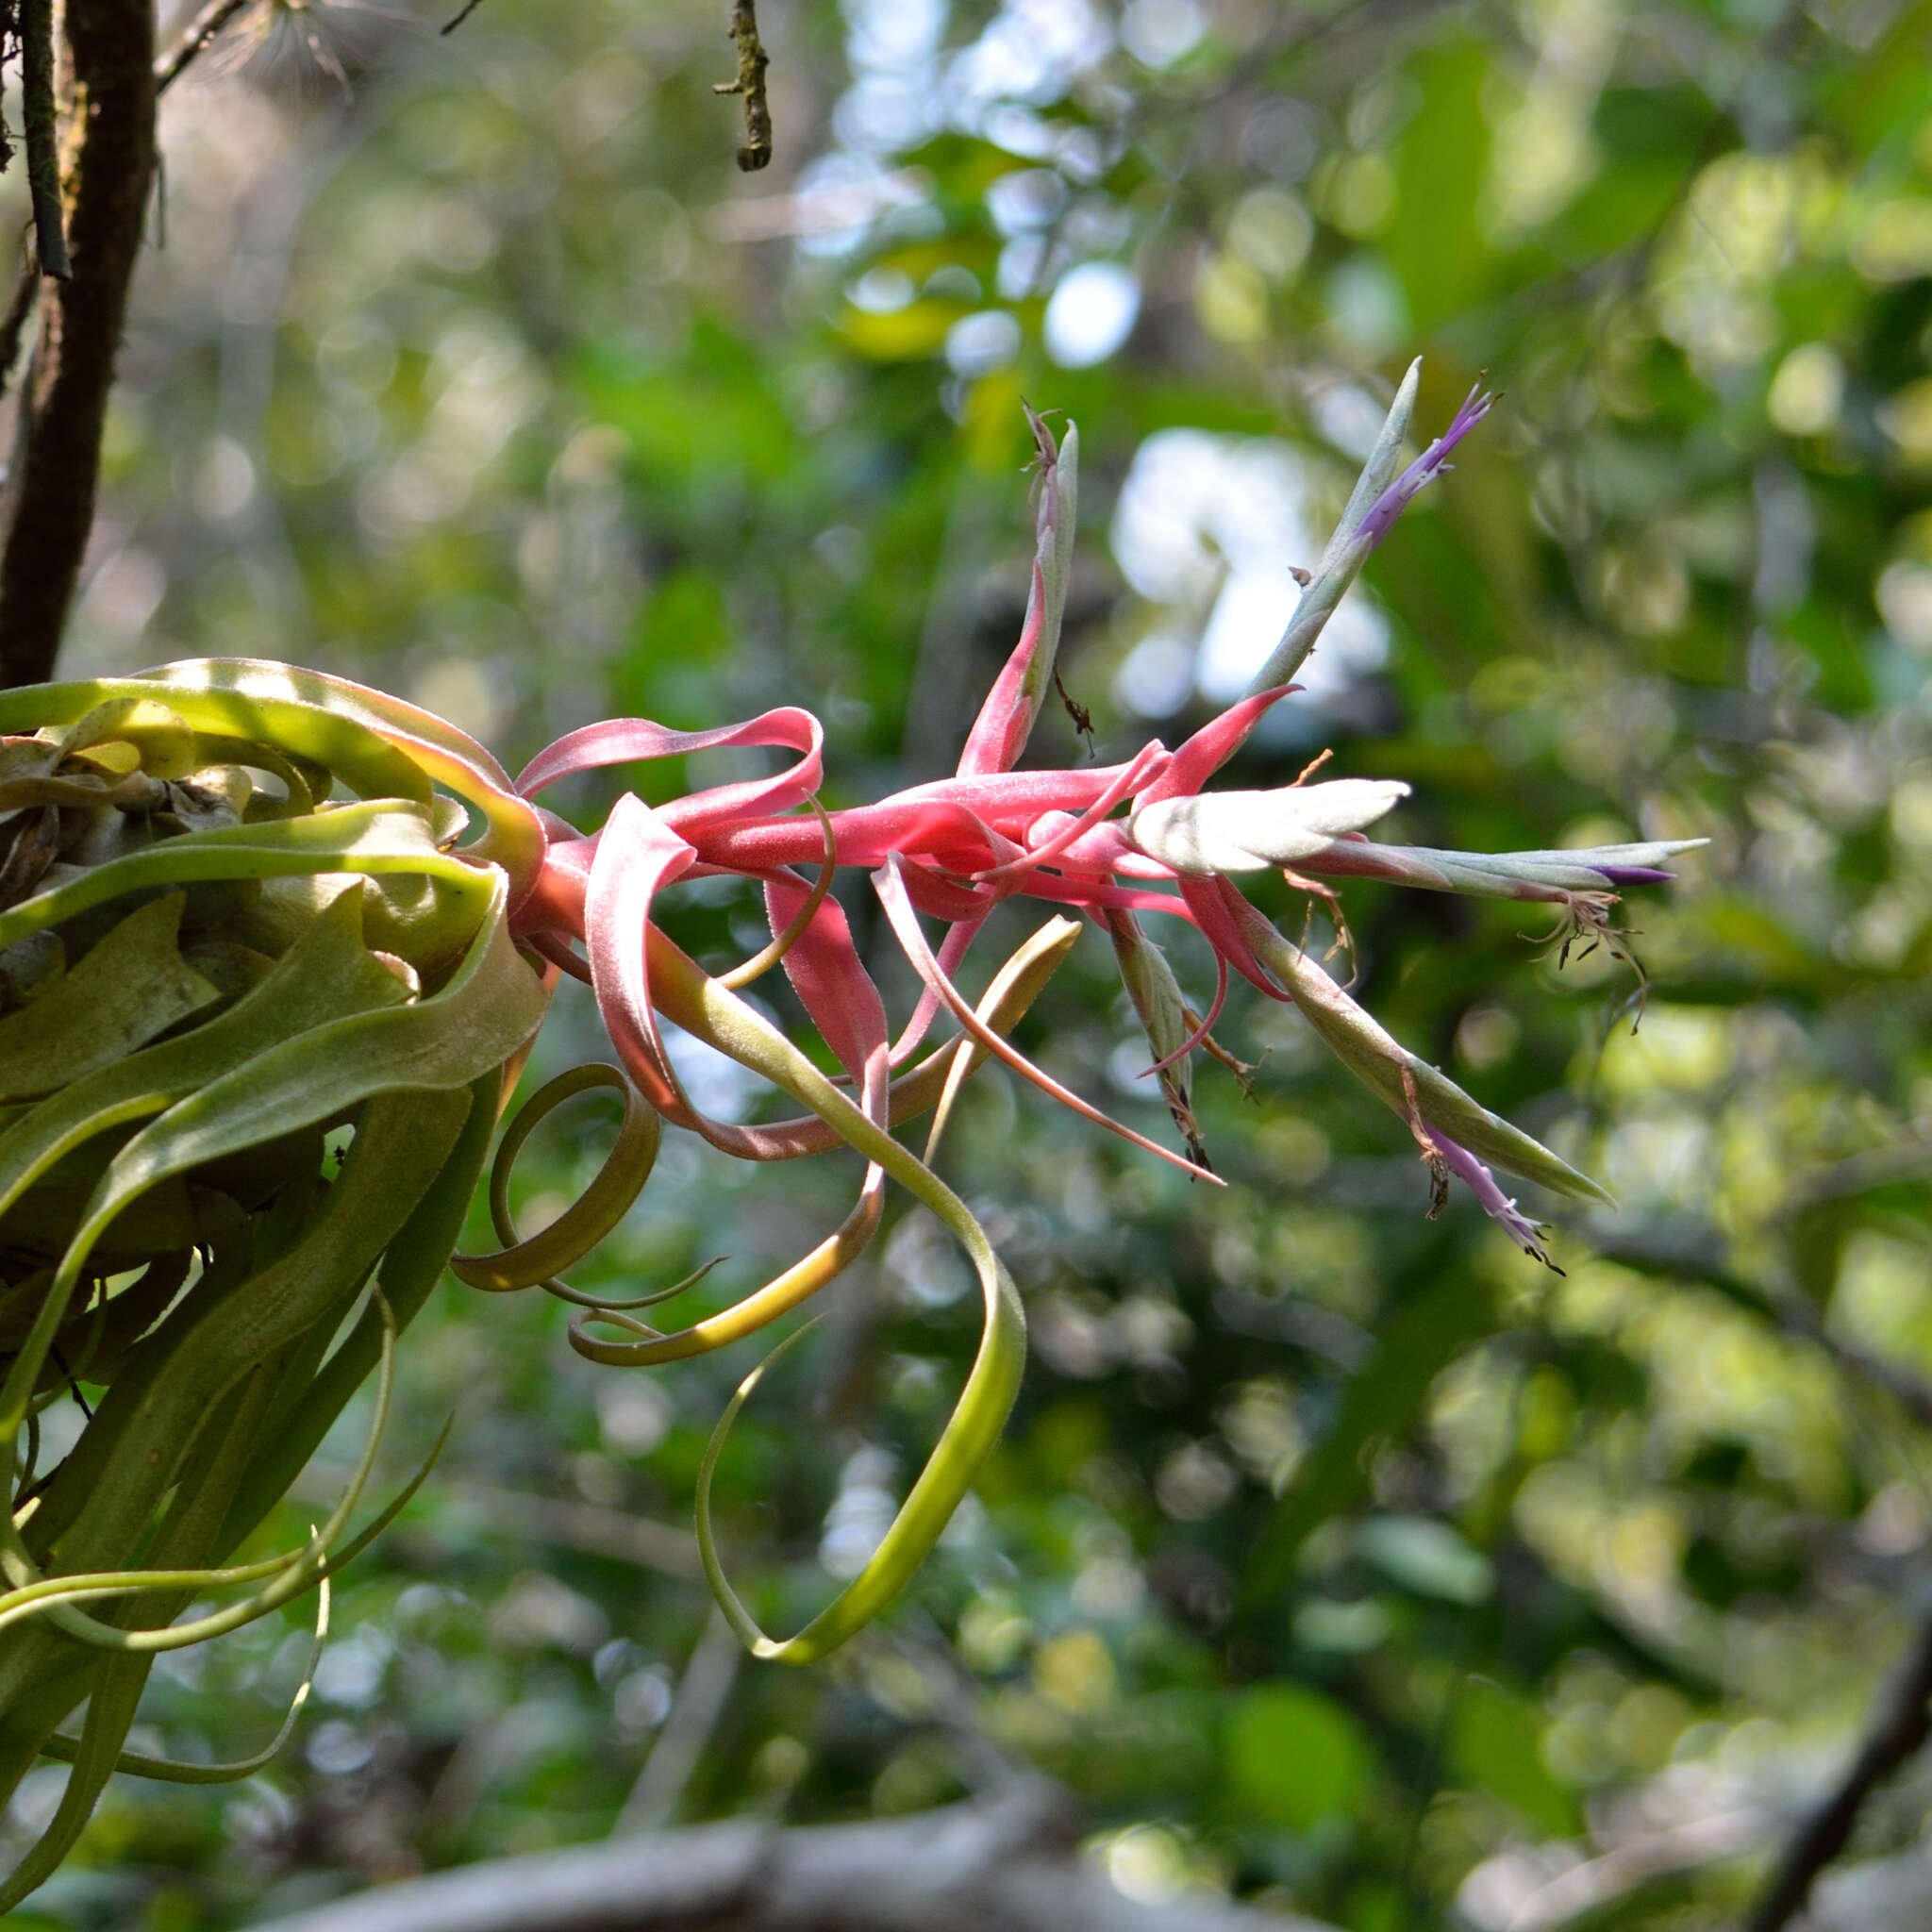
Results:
1430 464
1521 1229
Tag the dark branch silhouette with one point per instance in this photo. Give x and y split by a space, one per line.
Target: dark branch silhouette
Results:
107 162
37 115
1901 1720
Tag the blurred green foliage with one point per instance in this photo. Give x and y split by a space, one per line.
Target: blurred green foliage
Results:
1337 1557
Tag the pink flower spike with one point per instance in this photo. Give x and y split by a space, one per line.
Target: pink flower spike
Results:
1095 895
1007 802
1211 747
1000 732
1200 1032
890 884
1005 723
1152 759
952 949
626 741
943 828
965 910
1218 910
1015 799
636 852
823 967
555 899
555 947
1106 851
946 898
834 987
1426 469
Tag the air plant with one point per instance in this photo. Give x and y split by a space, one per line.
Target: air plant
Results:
272 946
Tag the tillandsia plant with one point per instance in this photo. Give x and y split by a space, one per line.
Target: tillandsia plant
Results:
256 1038
271 946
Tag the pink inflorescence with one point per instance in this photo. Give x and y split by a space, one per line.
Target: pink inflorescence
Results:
1116 842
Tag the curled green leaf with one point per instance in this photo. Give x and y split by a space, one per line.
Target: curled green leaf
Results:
592 1215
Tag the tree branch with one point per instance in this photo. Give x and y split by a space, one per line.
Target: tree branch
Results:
752 62
555 1520
196 37
1901 1721
37 115
1695 1249
697 1705
47 509
1008 1861
20 306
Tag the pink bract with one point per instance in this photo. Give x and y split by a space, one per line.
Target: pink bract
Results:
955 848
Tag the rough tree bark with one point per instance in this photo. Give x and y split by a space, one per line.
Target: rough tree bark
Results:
108 160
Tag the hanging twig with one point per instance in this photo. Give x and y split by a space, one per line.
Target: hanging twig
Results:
47 502
1901 1721
752 62
195 36
42 147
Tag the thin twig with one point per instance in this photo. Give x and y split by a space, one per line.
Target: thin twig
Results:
1901 1721
43 145
1695 1249
553 1520
195 39
696 1706
449 26
984 1765
1859 1174
752 62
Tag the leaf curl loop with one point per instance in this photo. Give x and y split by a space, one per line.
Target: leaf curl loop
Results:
528 1263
